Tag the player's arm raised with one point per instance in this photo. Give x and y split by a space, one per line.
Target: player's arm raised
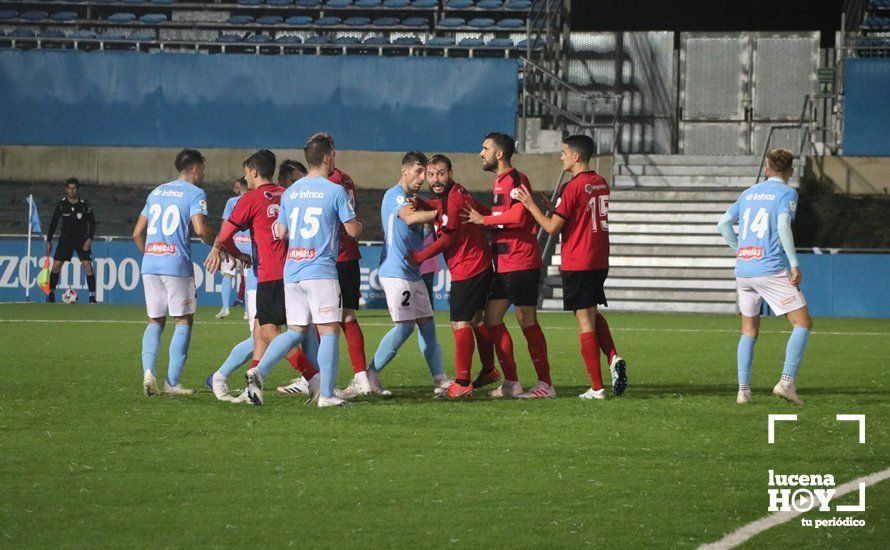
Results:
139 233
550 224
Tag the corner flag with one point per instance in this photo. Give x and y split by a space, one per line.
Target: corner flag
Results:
34 216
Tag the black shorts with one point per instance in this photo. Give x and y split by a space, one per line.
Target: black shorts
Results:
67 247
270 303
519 287
468 297
583 289
350 277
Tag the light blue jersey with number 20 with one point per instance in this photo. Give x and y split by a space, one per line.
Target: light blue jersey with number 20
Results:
169 209
757 211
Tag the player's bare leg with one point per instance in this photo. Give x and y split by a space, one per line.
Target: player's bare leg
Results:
750 331
179 349
527 316
590 351
503 347
151 341
464 348
801 324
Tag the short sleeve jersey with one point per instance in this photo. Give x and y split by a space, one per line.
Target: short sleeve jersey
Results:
313 209
584 205
470 254
757 211
513 248
242 238
399 238
169 209
257 211
348 250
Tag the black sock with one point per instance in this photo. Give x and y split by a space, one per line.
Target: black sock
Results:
53 281
91 284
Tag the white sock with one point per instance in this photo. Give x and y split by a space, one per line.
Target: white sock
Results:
362 377
439 378
787 381
744 387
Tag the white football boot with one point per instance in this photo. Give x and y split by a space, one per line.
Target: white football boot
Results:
332 402
220 388
593 394
223 313
508 388
176 390
375 385
297 386
441 383
359 385
743 397
542 391
255 386
149 384
787 392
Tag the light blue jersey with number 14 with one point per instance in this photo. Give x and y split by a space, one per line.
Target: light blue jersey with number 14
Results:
313 209
757 211
169 209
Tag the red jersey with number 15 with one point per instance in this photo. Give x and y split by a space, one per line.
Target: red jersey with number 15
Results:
584 205
257 211
469 254
348 250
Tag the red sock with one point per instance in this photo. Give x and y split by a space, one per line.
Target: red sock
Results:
537 348
604 337
591 353
486 349
355 341
503 345
254 363
241 288
302 364
464 347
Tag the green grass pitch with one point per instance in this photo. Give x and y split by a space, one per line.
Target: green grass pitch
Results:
87 461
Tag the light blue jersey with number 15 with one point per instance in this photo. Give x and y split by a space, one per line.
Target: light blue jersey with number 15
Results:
757 211
169 209
313 210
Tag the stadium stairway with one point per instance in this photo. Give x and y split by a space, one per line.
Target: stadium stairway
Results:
666 252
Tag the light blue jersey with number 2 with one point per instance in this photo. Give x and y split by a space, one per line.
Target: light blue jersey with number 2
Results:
757 212
169 209
313 210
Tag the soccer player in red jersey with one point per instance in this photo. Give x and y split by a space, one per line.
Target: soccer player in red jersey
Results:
468 258
257 211
517 268
581 215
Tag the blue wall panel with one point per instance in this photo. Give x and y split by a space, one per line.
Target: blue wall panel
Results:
867 107
846 285
175 100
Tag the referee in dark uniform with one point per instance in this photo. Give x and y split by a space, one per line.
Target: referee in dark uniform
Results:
75 235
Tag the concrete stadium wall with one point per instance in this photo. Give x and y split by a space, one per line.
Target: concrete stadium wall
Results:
128 166
854 175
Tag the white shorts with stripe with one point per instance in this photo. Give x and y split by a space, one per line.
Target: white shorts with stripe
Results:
314 301
406 300
777 290
169 295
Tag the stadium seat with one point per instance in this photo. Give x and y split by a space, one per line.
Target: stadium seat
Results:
64 16
407 41
259 39
142 36
8 15
471 43
328 21
20 33
500 43
450 22
440 41
339 4
228 38
279 2
288 39
104 1
250 2
347 40
269 20
396 4
240 20
122 17
490 4
112 36
162 2
52 33
416 22
523 5
357 22
34 15
309 3
386 22
536 45
426 4
82 35
376 41
511 23
133 2
298 20
459 4
318 40
153 18
367 3
481 23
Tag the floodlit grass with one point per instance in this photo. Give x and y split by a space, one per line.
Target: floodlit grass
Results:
86 460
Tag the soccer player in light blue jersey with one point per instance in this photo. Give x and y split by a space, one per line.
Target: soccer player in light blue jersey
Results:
172 213
406 293
767 269
230 267
312 210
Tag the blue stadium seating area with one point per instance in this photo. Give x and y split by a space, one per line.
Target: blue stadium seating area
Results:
875 31
397 27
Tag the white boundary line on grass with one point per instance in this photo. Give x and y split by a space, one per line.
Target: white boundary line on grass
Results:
619 329
746 532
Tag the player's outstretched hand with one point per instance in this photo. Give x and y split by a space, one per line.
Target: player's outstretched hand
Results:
796 276
211 264
469 214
